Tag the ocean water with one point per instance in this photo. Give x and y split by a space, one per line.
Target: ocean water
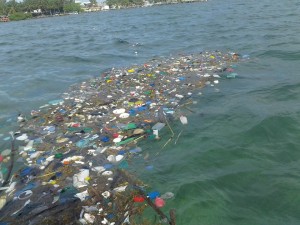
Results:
237 161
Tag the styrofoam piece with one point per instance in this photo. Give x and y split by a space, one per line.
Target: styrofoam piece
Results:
124 115
89 217
116 140
119 158
119 111
111 158
107 173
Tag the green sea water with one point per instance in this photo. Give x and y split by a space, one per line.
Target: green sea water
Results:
237 162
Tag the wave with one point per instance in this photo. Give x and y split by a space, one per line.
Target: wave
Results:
277 93
282 54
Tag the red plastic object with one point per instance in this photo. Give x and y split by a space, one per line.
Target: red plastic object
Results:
138 199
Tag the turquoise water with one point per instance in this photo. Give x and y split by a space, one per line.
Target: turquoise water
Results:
237 161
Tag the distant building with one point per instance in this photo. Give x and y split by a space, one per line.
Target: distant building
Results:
37 11
105 7
4 19
87 7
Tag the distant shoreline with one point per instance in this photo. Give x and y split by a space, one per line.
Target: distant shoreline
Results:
27 16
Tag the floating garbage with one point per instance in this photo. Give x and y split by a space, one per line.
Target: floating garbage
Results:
79 179
159 202
138 199
77 149
167 195
2 201
56 102
153 195
119 111
158 126
183 120
231 75
22 137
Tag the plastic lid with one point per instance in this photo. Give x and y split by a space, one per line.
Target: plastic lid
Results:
105 139
153 195
115 135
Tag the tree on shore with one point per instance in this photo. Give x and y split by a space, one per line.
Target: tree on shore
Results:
124 3
28 7
72 7
2 7
93 2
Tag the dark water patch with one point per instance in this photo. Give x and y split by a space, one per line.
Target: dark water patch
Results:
269 139
121 41
278 93
274 127
5 43
282 54
75 59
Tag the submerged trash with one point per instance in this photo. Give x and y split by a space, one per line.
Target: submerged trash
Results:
183 119
167 195
76 149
